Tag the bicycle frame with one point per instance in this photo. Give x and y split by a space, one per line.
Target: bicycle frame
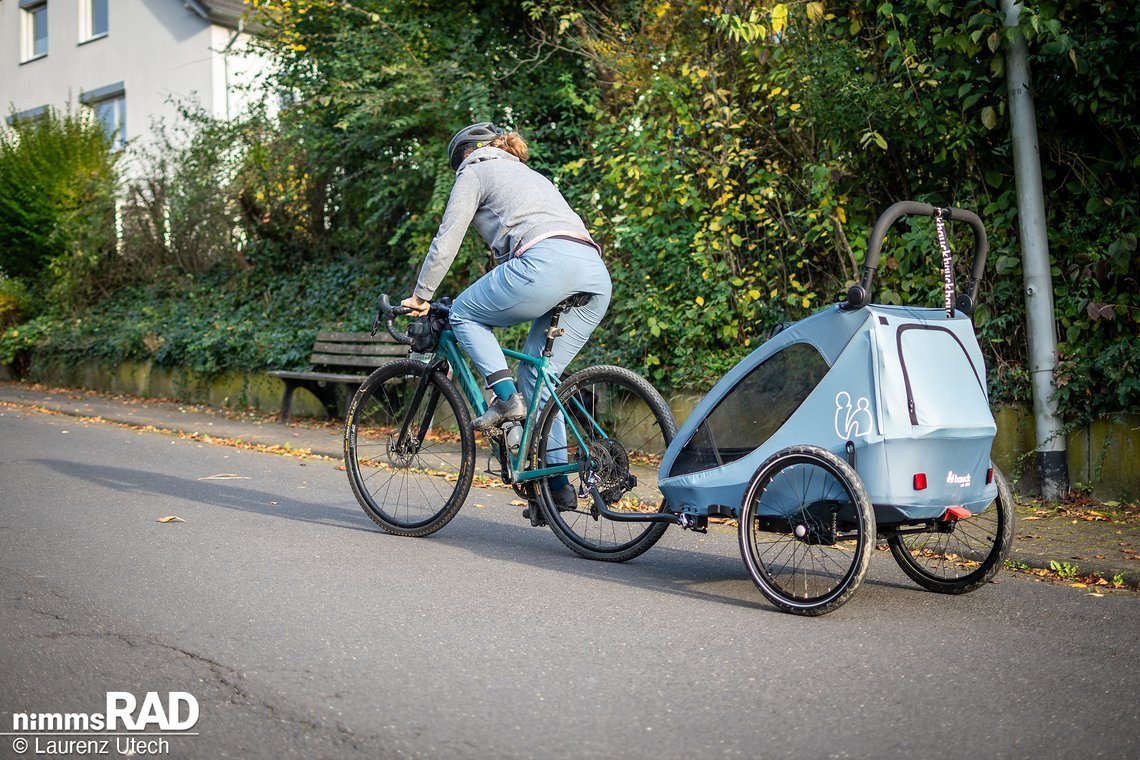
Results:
448 353
447 357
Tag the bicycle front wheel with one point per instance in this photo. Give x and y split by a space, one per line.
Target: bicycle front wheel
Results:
409 452
620 423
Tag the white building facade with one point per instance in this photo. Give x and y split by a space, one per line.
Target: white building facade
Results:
130 61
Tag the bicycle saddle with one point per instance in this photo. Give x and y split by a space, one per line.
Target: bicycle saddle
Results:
574 301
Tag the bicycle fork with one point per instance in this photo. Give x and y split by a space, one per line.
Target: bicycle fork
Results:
403 444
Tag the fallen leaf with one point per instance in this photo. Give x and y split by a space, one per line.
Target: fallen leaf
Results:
1094 593
480 506
1026 519
1079 585
170 519
518 503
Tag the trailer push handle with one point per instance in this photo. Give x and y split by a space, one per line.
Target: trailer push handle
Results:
859 295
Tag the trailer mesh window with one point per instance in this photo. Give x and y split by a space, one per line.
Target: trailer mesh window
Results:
753 410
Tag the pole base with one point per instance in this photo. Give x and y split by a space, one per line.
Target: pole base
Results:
1053 474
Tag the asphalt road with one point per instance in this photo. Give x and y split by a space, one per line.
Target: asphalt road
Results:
302 631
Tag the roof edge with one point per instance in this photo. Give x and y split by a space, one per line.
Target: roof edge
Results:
227 16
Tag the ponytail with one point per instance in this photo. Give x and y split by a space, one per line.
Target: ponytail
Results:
513 143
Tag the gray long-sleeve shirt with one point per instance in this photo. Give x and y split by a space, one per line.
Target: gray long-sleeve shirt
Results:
512 207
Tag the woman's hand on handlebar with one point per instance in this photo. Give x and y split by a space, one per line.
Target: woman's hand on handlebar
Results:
418 306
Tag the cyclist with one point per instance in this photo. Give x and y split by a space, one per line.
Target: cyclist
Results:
544 254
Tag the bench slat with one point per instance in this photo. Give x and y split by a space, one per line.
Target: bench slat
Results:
381 336
340 360
351 349
328 377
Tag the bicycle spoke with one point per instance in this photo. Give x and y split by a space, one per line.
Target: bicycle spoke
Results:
959 556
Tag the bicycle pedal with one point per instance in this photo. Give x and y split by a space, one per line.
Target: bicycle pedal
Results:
534 513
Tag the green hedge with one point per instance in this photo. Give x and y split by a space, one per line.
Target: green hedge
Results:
217 322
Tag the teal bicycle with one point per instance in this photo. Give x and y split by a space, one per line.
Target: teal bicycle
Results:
410 450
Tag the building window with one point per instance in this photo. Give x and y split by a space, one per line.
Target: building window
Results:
110 107
92 20
31 116
35 28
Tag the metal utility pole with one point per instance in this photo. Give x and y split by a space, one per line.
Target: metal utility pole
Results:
1052 466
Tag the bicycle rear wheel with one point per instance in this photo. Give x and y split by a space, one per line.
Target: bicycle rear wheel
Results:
626 426
410 456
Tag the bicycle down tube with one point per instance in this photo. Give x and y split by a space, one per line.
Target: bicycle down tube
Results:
448 350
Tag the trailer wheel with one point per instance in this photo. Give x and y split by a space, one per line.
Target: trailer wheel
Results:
963 555
806 530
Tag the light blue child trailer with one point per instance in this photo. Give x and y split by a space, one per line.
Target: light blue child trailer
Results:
858 422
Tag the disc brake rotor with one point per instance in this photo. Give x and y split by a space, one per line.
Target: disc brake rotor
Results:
611 468
402 457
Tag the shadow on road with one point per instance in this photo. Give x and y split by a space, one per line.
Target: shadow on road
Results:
695 574
704 574
213 492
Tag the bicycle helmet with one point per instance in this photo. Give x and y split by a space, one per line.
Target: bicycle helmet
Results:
474 136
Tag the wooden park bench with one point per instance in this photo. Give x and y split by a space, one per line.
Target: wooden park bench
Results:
339 358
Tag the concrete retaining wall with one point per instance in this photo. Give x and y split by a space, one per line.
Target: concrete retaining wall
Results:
237 390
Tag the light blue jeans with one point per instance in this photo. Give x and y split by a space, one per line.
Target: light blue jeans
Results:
528 287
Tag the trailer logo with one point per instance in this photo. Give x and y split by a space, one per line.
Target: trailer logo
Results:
954 479
851 423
